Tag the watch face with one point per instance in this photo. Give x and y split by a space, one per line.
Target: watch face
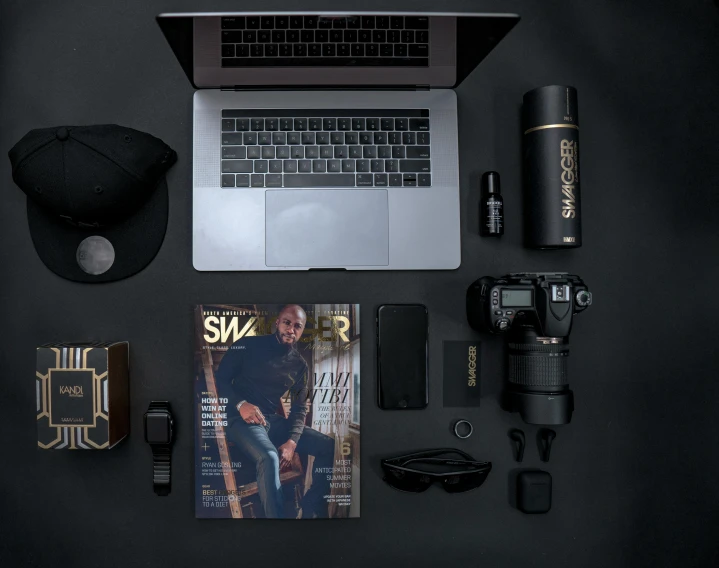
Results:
157 428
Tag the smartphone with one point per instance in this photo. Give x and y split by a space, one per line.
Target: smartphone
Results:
402 334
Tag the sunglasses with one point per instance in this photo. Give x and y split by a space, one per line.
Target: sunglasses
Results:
416 472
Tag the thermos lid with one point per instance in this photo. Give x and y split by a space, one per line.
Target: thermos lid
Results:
490 183
551 105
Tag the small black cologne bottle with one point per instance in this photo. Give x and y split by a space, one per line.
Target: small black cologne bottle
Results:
491 221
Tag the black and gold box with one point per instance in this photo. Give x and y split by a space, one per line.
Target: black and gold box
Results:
82 393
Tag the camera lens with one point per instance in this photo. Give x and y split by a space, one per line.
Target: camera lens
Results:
538 381
539 362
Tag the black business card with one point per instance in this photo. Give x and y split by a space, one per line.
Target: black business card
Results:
461 373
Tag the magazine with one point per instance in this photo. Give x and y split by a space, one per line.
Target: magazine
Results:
277 411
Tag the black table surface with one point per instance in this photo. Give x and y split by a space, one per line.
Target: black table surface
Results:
635 473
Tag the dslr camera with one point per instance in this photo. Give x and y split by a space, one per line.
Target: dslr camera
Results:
534 311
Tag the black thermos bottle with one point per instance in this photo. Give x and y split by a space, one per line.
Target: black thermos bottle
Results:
552 205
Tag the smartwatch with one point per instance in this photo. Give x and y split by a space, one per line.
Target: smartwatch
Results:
159 433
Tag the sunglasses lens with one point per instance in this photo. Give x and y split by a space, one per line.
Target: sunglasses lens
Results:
414 482
464 482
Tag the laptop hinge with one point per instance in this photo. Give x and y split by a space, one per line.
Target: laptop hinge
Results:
325 88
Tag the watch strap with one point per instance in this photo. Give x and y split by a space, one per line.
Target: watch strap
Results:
161 462
161 455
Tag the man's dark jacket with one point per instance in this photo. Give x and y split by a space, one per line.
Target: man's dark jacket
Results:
260 369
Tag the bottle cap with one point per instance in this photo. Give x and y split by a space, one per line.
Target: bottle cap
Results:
490 182
549 106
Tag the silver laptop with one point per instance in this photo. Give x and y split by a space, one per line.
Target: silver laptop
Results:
327 140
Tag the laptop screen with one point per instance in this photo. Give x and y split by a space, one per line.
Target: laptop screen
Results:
244 50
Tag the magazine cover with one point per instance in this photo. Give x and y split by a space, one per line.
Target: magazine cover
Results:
277 417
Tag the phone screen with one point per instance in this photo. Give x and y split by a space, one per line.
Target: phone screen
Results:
402 356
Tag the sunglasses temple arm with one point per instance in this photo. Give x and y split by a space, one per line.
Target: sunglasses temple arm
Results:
429 454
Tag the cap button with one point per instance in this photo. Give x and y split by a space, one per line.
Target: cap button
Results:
62 134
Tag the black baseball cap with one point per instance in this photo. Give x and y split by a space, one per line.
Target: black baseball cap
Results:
97 198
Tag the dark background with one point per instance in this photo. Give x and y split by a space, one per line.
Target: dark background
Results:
635 474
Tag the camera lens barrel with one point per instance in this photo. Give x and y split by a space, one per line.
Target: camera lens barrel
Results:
539 364
538 383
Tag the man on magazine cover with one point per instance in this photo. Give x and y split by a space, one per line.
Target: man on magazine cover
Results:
254 374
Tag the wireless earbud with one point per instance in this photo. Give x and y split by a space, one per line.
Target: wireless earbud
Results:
517 436
546 437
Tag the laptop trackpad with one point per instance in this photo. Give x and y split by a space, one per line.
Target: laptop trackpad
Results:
326 228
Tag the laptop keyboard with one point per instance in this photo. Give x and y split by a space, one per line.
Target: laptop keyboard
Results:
305 41
325 148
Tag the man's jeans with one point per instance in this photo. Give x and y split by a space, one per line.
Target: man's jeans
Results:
260 443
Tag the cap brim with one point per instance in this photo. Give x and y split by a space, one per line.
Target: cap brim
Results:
135 240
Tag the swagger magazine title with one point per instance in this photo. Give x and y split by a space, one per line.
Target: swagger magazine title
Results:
277 411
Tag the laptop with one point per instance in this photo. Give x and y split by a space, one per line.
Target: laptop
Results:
327 140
